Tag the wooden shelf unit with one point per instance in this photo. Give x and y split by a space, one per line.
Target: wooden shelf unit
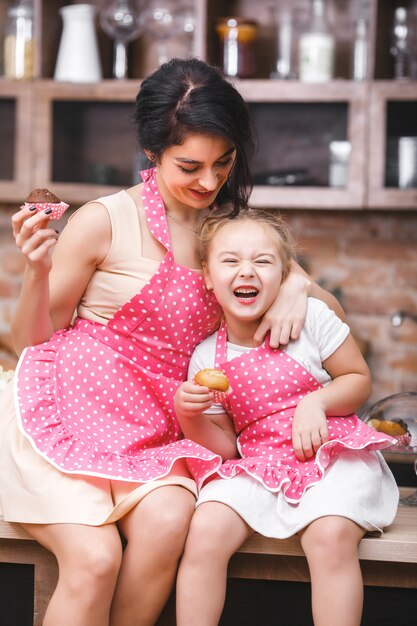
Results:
43 157
384 94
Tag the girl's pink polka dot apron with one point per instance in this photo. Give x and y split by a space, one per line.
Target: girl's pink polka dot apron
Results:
97 399
266 386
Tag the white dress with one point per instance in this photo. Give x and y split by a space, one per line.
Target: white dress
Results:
358 485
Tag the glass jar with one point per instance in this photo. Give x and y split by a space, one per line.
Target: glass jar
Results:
19 49
238 36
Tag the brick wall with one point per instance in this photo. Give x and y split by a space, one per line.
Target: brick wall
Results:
369 258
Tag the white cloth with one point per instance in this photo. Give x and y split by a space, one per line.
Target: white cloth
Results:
358 485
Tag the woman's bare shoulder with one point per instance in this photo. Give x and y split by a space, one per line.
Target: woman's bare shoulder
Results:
89 228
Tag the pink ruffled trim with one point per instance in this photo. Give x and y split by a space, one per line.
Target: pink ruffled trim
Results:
73 454
294 480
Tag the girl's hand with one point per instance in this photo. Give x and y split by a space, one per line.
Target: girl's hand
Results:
286 317
34 239
191 400
309 427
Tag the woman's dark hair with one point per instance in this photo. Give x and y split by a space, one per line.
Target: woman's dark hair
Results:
188 95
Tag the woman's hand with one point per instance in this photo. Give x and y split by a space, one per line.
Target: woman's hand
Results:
191 400
285 318
34 239
309 427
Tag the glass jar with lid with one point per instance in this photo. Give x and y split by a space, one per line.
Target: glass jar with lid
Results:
238 36
19 49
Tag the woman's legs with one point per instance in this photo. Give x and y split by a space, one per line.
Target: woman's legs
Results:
216 532
155 531
89 559
331 547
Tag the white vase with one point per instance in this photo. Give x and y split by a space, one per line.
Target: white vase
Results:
78 55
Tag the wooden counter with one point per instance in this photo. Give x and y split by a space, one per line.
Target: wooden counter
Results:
387 561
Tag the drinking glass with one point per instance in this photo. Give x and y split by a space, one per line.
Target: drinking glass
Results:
120 19
164 20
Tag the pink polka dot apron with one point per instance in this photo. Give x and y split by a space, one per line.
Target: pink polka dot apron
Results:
98 400
266 386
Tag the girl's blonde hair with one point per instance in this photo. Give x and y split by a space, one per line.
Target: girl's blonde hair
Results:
270 219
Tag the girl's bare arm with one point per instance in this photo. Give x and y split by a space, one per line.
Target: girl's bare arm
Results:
350 387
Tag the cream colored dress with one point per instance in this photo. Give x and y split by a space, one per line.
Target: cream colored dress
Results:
33 490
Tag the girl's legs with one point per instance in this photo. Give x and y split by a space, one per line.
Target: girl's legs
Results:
89 559
216 532
155 531
331 547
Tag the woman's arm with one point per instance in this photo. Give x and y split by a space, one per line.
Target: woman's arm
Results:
214 431
52 287
350 387
285 318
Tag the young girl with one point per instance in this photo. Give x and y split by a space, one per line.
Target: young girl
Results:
90 445
307 465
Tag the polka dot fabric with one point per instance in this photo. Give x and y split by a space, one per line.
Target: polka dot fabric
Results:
267 385
98 400
58 208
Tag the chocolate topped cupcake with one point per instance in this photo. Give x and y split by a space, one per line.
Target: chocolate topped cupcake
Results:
42 195
44 200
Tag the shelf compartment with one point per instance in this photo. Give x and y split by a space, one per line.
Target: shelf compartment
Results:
295 120
341 17
85 138
393 114
15 137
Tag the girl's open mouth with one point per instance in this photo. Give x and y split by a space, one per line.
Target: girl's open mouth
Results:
246 295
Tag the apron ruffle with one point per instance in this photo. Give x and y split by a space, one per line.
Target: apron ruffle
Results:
294 479
67 445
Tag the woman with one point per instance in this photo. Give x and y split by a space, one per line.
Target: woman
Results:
91 436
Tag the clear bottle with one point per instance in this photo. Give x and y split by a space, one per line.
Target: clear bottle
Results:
19 45
317 48
400 48
285 34
360 51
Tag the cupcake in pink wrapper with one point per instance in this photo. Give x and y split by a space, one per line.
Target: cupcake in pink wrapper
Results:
216 381
220 396
44 199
